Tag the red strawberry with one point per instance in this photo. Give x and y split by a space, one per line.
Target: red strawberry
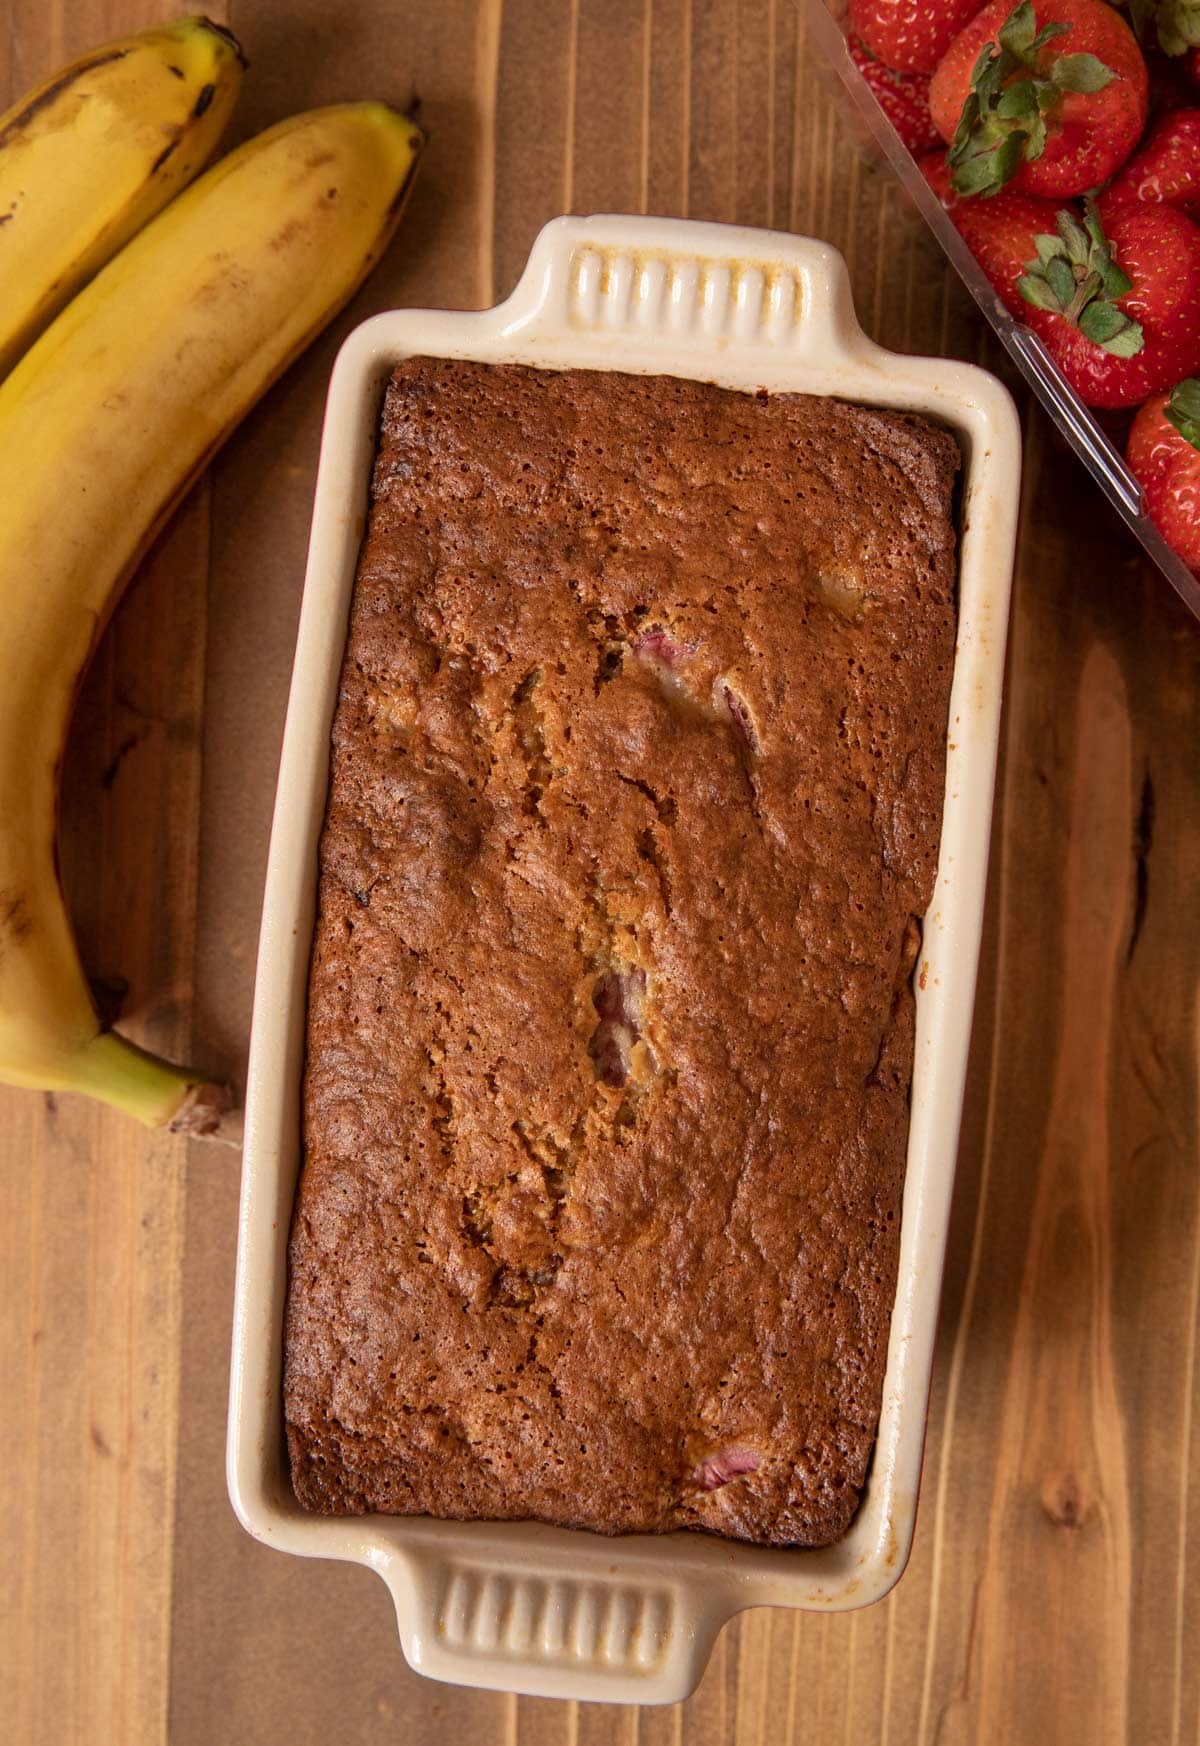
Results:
910 36
1118 314
1164 453
1166 169
935 170
1154 252
999 233
903 97
1052 99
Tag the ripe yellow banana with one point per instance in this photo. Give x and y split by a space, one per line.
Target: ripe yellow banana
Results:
89 158
103 425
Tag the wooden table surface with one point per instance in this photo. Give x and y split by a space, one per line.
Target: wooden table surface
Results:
1054 1590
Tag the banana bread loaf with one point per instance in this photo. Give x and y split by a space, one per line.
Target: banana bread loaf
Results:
635 799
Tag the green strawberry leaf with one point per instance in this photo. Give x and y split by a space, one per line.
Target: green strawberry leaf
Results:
1128 343
976 175
1075 238
1008 156
1081 73
1178 28
1102 322
1002 123
1183 410
1047 34
1060 279
1036 143
1176 23
1186 17
1019 98
1097 252
1036 291
966 125
992 68
1115 282
1075 276
1185 399
1019 29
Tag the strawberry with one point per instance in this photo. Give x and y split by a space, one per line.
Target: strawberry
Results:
1052 99
903 97
1139 328
1165 169
999 233
1118 313
1164 455
910 36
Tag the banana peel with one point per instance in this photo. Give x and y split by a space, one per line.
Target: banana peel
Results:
104 424
90 156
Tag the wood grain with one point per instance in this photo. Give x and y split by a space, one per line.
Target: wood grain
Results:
1061 1471
1054 1589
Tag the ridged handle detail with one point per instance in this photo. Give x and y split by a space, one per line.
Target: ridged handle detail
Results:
552 1631
638 292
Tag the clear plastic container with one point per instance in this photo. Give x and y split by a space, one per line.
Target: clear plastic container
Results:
1079 428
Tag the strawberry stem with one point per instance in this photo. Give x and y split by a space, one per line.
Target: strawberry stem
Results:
1183 410
1015 88
1076 276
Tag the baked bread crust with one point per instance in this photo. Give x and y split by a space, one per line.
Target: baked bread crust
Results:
635 794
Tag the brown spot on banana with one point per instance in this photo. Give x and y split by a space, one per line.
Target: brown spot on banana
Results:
203 102
40 99
16 922
282 238
168 151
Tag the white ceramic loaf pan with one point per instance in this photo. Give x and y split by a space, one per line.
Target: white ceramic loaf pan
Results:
519 1606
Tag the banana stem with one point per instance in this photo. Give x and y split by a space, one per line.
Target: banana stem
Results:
117 1072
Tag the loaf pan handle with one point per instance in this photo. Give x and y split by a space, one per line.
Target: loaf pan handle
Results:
723 289
544 1631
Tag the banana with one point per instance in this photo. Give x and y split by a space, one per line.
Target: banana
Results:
103 425
90 156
